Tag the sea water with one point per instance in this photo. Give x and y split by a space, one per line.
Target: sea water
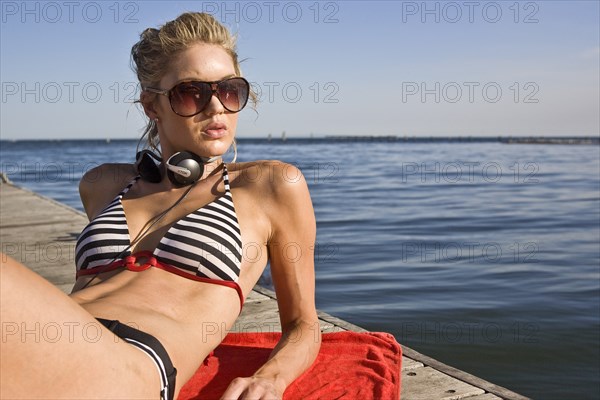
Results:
483 255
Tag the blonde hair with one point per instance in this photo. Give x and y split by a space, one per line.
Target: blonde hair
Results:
151 56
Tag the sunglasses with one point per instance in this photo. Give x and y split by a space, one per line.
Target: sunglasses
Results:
190 98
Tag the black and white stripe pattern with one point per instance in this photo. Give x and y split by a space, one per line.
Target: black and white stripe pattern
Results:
105 237
206 242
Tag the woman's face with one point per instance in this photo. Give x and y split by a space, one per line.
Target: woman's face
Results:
211 132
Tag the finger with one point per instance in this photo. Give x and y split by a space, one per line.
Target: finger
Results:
235 389
269 395
253 392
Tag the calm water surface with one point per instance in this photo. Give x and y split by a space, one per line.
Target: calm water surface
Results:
485 256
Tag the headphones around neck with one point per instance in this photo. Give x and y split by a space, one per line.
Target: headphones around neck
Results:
183 167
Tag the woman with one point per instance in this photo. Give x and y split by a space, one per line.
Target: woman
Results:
186 255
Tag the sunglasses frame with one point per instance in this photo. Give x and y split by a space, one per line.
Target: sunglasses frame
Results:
214 88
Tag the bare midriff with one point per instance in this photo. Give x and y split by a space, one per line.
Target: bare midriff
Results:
190 318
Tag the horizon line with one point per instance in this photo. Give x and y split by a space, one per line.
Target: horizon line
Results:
399 138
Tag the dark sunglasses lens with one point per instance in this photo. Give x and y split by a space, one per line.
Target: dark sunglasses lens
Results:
189 98
233 93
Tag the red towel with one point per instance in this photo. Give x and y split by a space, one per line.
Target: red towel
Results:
349 366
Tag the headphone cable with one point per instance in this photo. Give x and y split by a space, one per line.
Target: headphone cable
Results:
141 235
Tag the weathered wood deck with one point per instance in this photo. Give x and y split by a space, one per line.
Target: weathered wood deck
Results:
41 233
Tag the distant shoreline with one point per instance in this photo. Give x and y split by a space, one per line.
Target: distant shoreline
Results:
590 140
564 140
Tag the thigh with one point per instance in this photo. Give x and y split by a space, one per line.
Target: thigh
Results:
53 348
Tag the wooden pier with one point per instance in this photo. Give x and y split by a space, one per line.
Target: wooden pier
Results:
41 233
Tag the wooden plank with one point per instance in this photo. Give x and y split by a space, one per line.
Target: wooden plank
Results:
487 396
22 207
345 325
266 292
258 316
261 314
255 296
49 242
41 233
426 384
462 375
327 327
410 364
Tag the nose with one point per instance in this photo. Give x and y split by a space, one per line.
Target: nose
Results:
214 106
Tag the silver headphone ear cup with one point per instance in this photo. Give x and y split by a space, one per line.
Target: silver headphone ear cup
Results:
184 168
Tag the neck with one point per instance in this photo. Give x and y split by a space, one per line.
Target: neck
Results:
211 166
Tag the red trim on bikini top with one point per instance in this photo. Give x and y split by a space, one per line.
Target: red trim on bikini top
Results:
129 263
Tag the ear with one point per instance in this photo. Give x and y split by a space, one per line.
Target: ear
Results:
148 101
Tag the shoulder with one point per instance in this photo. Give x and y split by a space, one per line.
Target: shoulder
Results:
107 176
277 188
272 178
101 184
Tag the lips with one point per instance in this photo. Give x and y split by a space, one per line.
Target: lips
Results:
215 130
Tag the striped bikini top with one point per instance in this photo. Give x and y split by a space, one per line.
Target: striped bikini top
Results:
204 246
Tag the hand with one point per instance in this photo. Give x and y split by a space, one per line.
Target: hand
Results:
252 388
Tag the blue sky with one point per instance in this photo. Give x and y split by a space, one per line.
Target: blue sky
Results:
414 68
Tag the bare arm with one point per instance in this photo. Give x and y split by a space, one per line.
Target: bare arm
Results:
291 251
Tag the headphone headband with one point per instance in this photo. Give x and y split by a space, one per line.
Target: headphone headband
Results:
183 168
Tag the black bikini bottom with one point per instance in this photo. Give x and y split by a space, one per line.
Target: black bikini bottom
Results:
151 346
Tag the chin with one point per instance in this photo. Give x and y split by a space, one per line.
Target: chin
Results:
216 147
